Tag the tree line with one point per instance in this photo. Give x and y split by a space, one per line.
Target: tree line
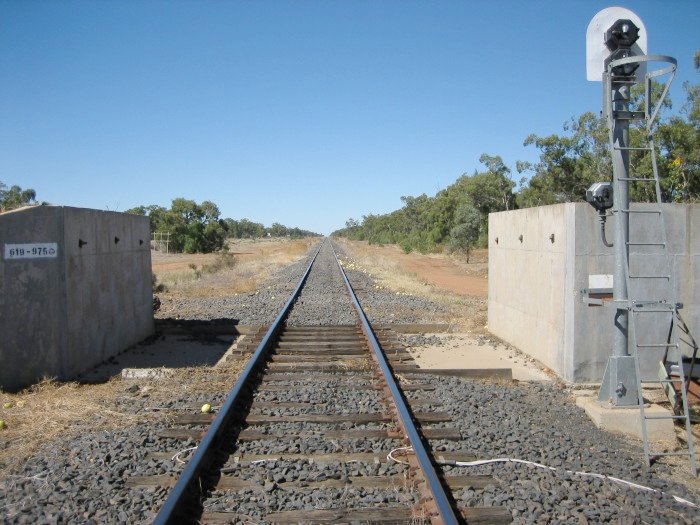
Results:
246 229
456 218
193 228
198 228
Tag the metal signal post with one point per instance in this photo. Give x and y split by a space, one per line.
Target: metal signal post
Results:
620 382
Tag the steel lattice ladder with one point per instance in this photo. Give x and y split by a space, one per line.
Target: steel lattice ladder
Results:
640 309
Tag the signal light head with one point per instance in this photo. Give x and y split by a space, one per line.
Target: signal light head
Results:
621 35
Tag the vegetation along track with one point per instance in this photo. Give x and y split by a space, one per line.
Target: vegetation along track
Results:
318 430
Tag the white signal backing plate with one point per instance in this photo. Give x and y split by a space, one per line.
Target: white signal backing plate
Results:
597 51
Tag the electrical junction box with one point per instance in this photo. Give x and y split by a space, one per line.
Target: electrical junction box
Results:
600 288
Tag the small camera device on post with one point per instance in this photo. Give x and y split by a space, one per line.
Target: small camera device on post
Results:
600 196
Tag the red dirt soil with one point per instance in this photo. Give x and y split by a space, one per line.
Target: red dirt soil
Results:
444 274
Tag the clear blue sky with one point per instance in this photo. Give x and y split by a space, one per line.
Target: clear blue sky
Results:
304 113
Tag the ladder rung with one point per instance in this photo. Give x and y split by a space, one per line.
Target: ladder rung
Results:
658 345
649 276
641 211
670 453
650 381
664 417
636 179
646 244
631 148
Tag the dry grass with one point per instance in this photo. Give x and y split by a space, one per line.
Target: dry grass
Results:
477 264
357 365
191 381
468 314
188 275
387 272
51 410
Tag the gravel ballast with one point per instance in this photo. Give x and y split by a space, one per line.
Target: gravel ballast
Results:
83 478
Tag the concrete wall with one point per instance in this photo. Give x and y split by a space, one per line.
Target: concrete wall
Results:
535 299
64 314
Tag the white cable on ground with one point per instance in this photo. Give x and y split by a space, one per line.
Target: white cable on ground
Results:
578 473
545 467
390 456
176 457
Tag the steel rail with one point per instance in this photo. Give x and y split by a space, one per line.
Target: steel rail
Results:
435 487
185 494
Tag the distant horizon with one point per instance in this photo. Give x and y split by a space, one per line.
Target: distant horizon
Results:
303 113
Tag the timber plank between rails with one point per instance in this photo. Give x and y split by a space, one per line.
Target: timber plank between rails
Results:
331 365
357 419
417 401
339 457
387 515
320 352
339 353
334 358
317 358
301 375
244 460
322 343
232 483
448 434
284 386
320 340
319 329
427 401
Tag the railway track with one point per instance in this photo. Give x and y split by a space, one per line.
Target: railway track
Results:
318 429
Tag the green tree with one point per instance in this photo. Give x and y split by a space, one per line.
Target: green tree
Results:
568 164
496 185
15 197
277 230
245 229
679 140
427 224
156 214
465 233
193 227
252 230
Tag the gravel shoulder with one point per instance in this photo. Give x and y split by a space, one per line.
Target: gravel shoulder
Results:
80 473
536 420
